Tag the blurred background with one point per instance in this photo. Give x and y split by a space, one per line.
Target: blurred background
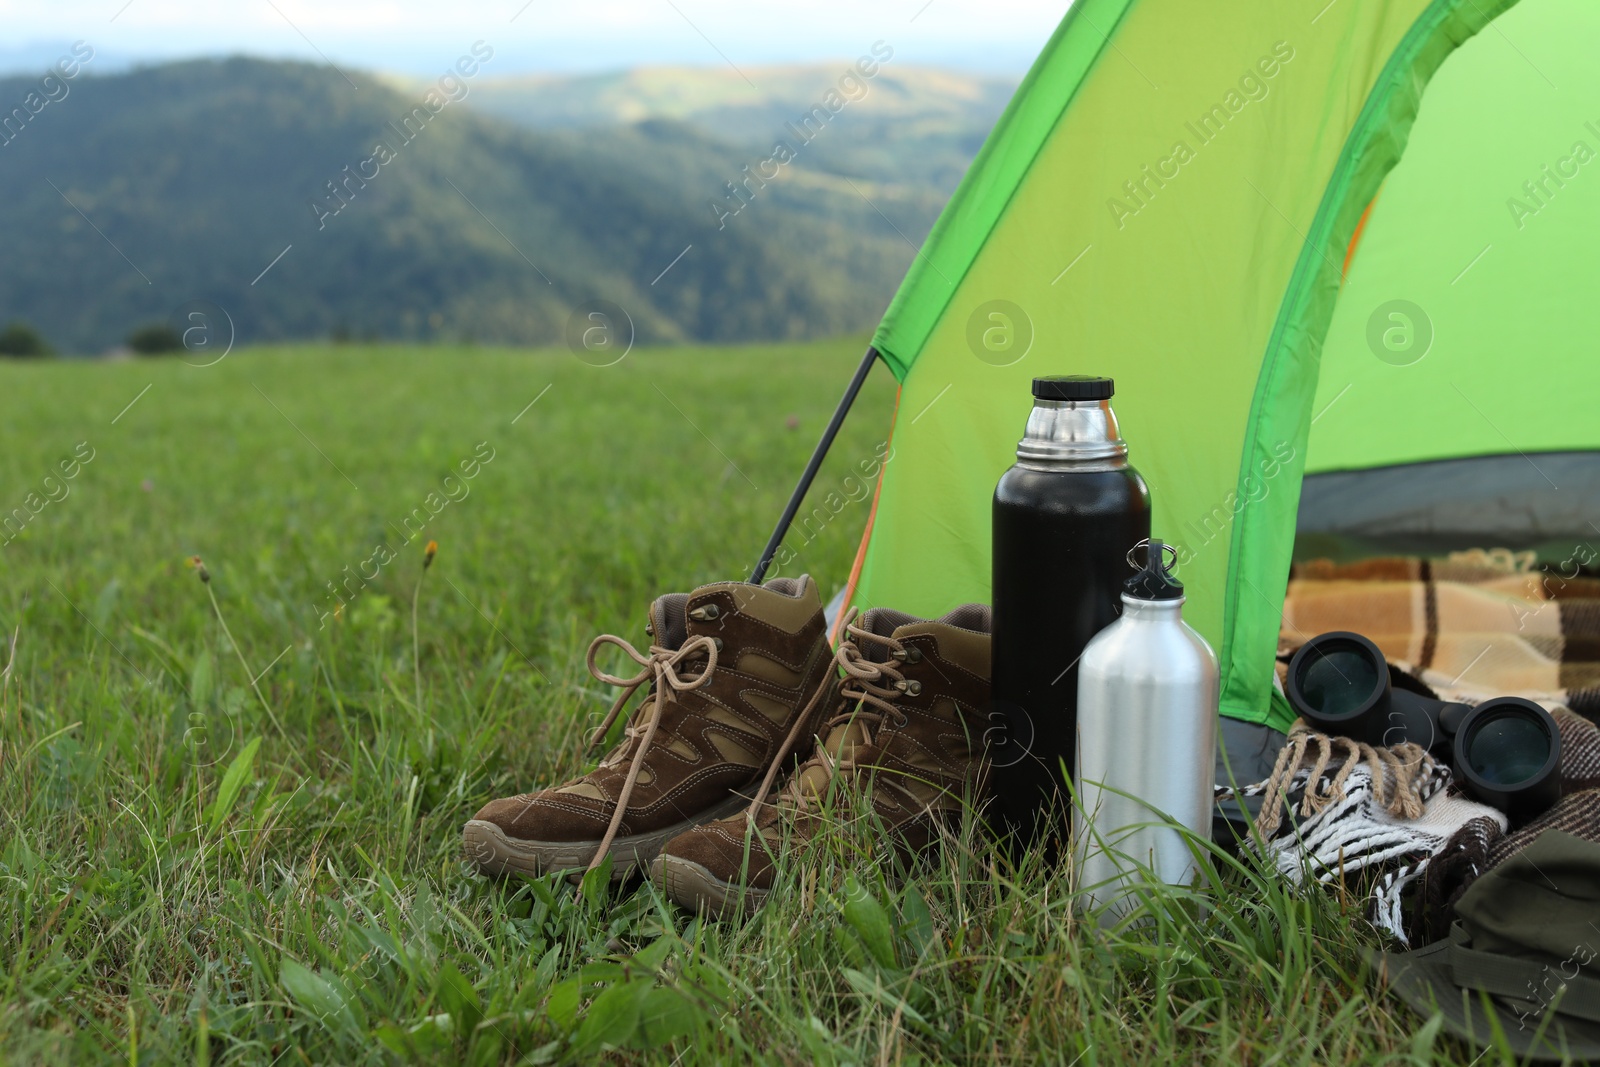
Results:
473 172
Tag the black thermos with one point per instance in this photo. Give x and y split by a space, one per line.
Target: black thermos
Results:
1065 518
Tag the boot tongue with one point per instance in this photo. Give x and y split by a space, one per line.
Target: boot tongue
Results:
669 620
843 739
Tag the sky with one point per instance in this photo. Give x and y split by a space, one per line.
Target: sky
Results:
418 36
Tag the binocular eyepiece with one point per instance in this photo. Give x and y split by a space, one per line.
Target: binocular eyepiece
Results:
1505 752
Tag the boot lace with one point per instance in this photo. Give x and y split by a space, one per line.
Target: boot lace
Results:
661 668
867 694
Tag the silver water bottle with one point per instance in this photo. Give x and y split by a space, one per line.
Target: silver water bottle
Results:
1147 739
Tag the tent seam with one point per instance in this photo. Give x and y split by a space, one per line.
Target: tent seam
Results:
1404 71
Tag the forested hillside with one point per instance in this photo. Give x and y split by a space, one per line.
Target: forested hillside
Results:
416 211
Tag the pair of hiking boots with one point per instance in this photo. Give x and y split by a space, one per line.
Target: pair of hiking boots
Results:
742 684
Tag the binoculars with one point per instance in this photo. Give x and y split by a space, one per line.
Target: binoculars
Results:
1505 752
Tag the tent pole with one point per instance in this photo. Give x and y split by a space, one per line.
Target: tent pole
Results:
798 496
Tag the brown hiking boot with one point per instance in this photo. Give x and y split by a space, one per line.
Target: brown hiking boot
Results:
906 735
735 671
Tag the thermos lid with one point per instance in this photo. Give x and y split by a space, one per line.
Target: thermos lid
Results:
1073 387
1154 580
1071 424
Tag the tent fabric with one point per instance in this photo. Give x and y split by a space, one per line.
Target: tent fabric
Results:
1005 157
1488 227
1440 505
1171 200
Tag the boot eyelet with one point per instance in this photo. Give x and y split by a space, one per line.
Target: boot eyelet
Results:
911 687
705 613
901 722
716 643
912 654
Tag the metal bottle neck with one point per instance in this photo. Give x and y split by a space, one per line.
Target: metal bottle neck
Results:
1069 432
1138 610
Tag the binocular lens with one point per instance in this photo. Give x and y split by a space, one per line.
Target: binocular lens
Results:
1505 752
1508 750
1337 681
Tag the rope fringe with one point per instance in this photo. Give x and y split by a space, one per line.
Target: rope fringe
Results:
1398 775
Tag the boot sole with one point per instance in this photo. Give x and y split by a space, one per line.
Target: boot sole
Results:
498 855
694 886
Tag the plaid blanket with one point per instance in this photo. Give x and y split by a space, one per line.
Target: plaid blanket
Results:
1468 627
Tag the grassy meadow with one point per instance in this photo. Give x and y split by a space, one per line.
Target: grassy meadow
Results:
229 830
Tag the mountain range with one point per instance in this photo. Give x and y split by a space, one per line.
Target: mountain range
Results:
308 201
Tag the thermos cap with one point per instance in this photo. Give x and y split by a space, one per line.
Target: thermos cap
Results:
1073 387
1071 423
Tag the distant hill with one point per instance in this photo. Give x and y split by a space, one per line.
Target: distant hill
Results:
913 125
500 215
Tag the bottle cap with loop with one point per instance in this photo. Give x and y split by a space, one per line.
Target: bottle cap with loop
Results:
1154 580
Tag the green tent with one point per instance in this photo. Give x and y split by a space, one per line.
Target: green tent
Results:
1307 238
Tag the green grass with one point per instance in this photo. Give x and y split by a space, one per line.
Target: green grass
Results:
191 874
